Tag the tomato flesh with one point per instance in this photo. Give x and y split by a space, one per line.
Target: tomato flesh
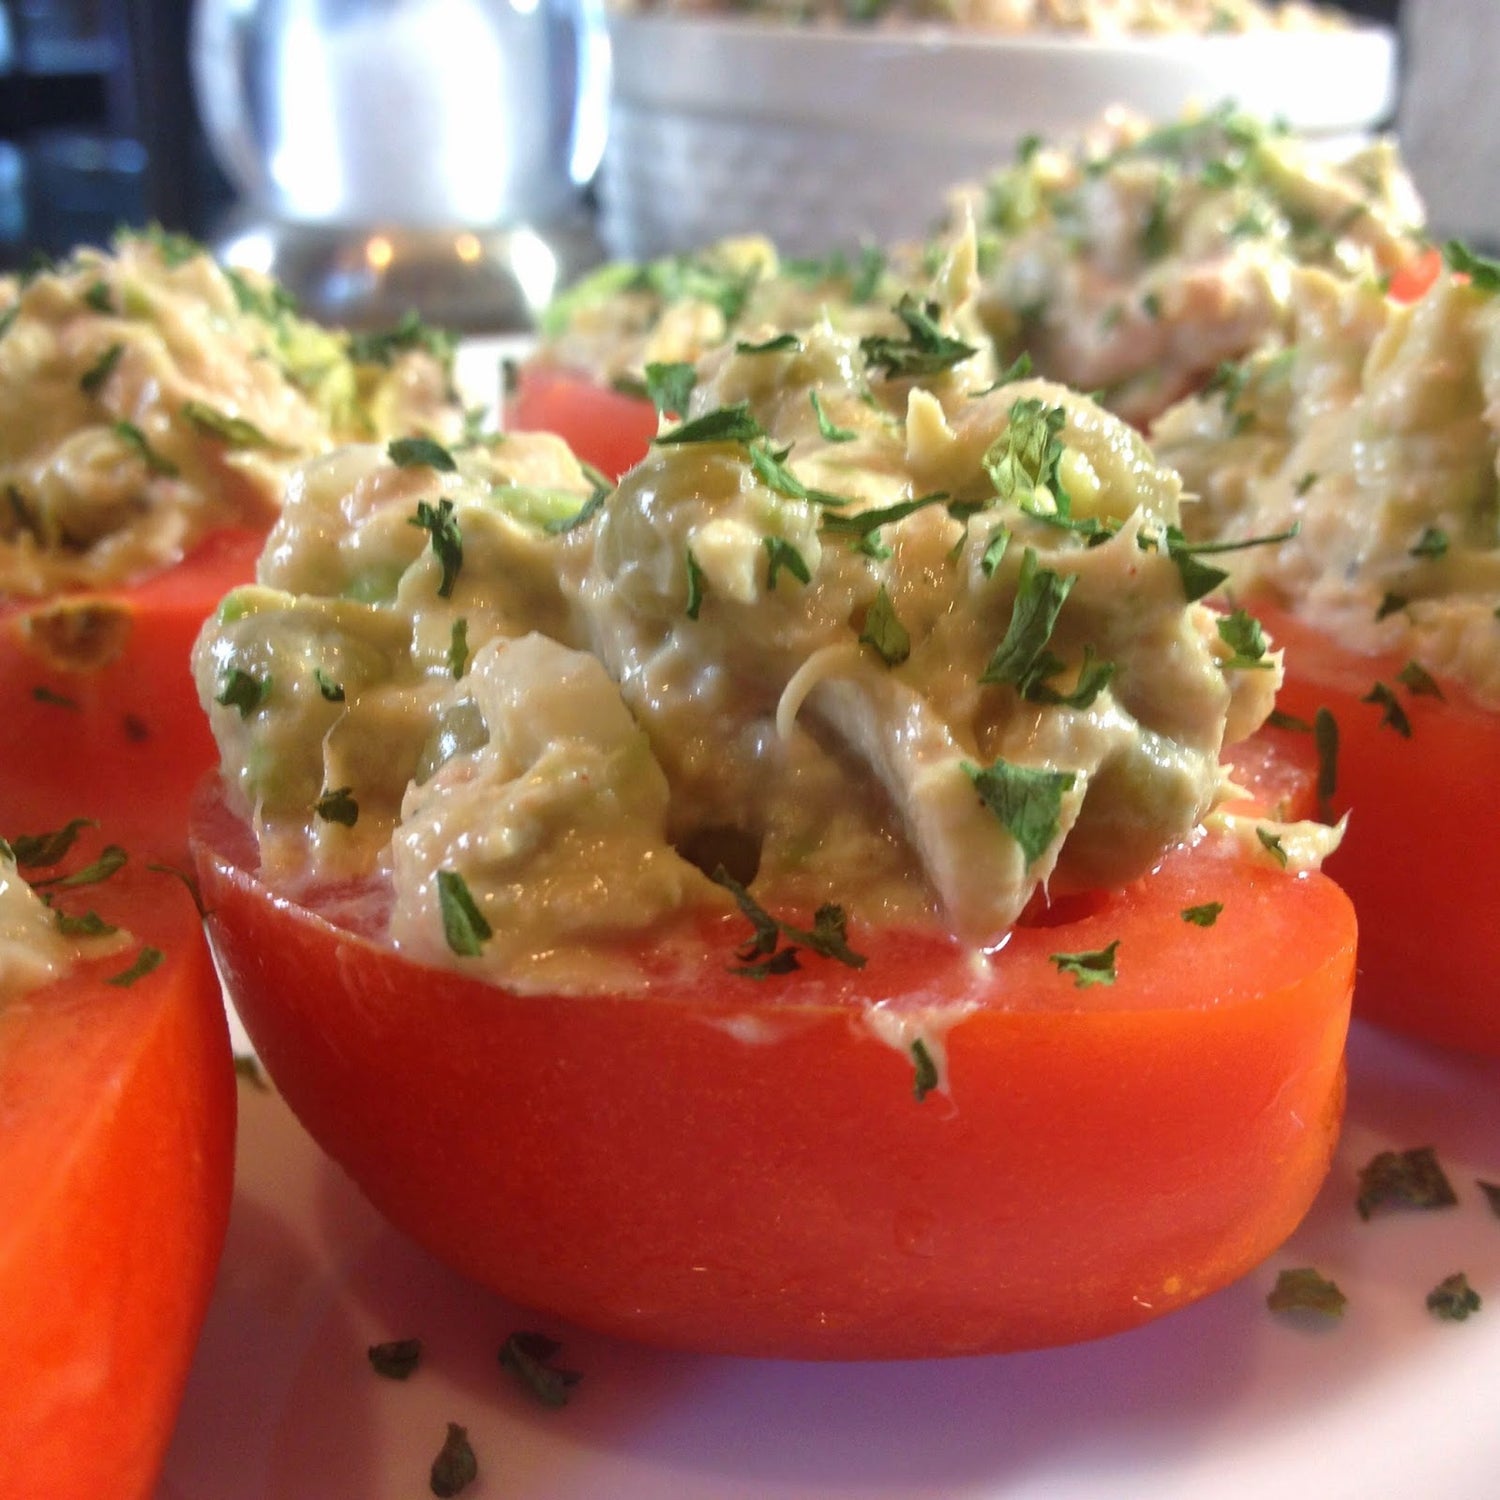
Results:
744 1167
117 1108
603 427
120 737
1419 858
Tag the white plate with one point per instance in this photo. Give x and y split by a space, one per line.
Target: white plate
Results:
1224 1399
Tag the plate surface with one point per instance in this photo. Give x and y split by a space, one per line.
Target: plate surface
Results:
1224 1398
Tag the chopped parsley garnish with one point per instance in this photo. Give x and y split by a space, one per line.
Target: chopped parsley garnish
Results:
464 925
97 297
1392 715
925 1073
133 437
455 1468
863 524
528 1356
1432 543
1093 677
1203 916
338 806
725 424
43 694
242 690
783 343
91 382
189 881
396 1359
1391 604
830 431
588 510
1453 1299
770 467
1096 967
234 432
1026 799
783 555
1306 1290
1039 599
447 539
1271 842
994 550
1025 458
926 349
84 924
1482 272
884 631
145 961
411 333
420 452
1280 719
1305 483
111 858
1418 681
39 850
1241 632
694 585
268 301
669 385
174 249
458 648
827 937
1411 1178
331 690
1326 738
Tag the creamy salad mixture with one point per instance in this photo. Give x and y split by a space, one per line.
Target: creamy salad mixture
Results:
872 627
1137 259
148 396
1098 18
1376 432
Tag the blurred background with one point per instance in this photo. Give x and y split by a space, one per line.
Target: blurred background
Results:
127 111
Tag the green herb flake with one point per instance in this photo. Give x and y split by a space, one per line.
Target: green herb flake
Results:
782 343
188 879
783 961
243 690
447 539
1026 457
1433 543
1305 1289
885 632
585 513
1391 604
134 438
669 385
863 524
528 1356
925 1073
395 1359
1271 842
1413 1179
1280 719
145 961
1418 681
1484 274
455 1468
1026 799
111 859
97 297
1306 482
1242 633
233 432
694 585
1392 715
420 453
1096 967
458 648
332 691
410 335
1040 594
994 551
41 850
926 349
84 925
1326 739
338 806
782 554
464 925
725 424
827 936
43 694
1453 1299
1202 916
91 382
829 430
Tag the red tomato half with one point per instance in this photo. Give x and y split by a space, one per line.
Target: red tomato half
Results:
116 1155
738 1166
603 427
1412 280
98 714
1420 858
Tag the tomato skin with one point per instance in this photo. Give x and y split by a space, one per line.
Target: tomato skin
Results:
1419 858
1413 280
728 1167
128 741
117 1110
603 427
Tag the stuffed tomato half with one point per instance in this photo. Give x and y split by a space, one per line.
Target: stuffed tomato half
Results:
791 902
117 1098
152 405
